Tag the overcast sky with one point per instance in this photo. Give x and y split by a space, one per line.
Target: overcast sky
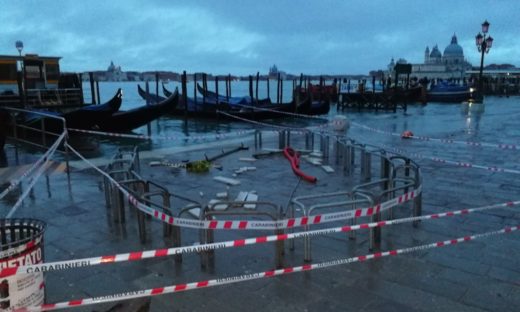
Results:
243 37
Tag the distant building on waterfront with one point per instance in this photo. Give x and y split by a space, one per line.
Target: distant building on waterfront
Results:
450 64
114 73
273 73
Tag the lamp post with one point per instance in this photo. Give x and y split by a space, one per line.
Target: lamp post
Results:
483 45
19 46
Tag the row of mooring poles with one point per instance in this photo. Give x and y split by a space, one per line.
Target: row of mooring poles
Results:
253 87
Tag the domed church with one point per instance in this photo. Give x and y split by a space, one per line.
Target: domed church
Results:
450 64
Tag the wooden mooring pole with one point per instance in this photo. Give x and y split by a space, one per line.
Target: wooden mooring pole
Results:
184 93
92 88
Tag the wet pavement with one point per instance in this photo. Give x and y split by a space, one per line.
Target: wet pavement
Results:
482 275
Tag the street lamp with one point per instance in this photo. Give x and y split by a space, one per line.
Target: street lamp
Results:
483 45
19 46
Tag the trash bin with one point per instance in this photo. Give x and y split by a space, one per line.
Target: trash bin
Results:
21 243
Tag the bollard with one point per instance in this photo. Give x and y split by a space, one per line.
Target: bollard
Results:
258 139
366 165
348 159
21 244
308 140
281 139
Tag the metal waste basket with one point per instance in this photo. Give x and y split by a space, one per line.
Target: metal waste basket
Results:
21 243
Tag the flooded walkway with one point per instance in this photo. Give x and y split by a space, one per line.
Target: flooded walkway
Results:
481 275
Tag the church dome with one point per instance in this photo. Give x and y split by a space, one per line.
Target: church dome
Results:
454 49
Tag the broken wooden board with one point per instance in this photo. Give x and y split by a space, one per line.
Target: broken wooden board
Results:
251 197
249 159
227 180
327 169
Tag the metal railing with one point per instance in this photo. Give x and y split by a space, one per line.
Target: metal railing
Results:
35 134
258 209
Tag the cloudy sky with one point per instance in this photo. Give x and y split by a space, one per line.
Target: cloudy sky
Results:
246 36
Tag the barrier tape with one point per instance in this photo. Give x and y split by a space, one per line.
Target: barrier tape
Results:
45 156
218 136
451 162
157 253
263 124
282 113
35 178
467 143
255 225
258 275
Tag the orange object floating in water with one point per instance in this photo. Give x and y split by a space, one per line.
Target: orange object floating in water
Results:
406 134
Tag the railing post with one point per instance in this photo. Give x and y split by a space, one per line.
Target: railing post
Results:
366 165
375 232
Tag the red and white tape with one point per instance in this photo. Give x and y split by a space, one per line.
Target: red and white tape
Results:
33 167
157 253
36 176
255 225
258 275
448 141
218 136
451 162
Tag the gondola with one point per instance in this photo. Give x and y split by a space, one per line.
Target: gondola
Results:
86 118
233 100
125 121
150 97
209 107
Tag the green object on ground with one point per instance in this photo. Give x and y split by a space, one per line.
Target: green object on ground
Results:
198 166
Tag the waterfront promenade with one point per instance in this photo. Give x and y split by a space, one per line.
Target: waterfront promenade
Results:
481 275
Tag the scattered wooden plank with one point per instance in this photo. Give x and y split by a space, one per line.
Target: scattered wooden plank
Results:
251 197
249 159
227 180
222 195
216 206
328 169
241 196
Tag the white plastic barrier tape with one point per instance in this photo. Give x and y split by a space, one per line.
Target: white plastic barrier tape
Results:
467 143
256 225
279 112
263 124
258 275
451 162
29 171
35 178
157 253
218 136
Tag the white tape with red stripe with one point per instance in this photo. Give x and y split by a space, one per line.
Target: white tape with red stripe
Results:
218 136
258 275
449 141
33 167
139 255
451 162
36 176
